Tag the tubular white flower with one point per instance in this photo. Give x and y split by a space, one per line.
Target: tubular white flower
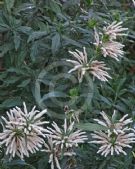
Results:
113 143
117 126
80 63
13 137
66 137
98 70
116 137
107 45
115 29
97 38
32 120
22 132
112 49
55 153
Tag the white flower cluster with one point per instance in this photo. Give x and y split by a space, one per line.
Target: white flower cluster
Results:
23 133
107 42
81 64
117 136
113 30
109 47
61 141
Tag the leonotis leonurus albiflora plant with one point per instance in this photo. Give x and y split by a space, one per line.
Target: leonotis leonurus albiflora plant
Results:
74 60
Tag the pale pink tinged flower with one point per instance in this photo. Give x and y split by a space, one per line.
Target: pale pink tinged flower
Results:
97 38
66 137
115 126
32 120
13 138
34 142
98 70
109 47
111 144
117 136
23 132
80 64
54 153
115 29
112 49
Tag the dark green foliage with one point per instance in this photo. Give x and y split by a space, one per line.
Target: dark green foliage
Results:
35 37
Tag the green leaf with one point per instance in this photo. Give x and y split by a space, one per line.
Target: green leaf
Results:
90 2
71 41
36 35
55 43
16 162
74 92
4 27
90 127
92 23
120 84
5 48
25 29
25 7
20 163
16 70
43 26
55 7
43 162
12 80
9 4
22 53
12 102
34 51
24 83
103 164
17 40
53 94
105 100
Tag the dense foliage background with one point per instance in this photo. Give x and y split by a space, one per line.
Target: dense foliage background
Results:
35 37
